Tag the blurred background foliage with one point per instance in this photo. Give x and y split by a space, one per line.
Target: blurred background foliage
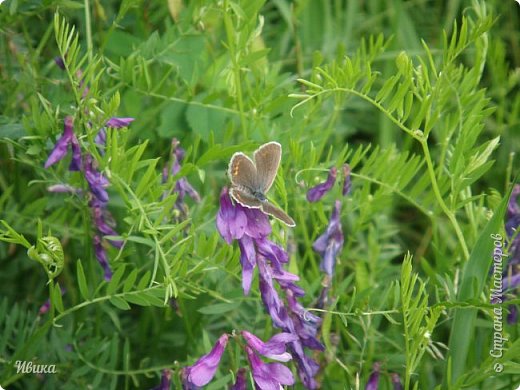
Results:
217 76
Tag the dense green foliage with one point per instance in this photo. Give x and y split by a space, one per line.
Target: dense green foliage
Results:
420 98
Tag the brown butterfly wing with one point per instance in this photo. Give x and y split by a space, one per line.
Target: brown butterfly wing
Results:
244 198
278 213
242 172
267 160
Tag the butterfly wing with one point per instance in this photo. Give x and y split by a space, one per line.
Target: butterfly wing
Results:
267 160
244 198
242 172
278 213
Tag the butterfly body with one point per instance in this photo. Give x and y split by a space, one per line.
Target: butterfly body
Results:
252 179
258 195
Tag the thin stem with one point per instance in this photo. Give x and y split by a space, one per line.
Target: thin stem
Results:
230 30
436 191
88 30
159 253
98 300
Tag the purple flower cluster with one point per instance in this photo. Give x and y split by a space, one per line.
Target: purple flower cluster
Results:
373 380
251 228
329 244
317 192
511 278
68 138
166 378
182 185
97 183
116 123
267 376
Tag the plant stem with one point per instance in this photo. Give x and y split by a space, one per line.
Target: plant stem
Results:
88 30
236 68
445 209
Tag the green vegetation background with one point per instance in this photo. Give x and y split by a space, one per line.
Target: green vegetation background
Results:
416 111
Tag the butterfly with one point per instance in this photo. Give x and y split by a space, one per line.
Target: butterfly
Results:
251 180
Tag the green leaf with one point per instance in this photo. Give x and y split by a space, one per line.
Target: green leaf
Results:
82 281
137 300
56 298
13 131
473 276
130 280
152 299
120 303
204 120
219 308
144 281
114 282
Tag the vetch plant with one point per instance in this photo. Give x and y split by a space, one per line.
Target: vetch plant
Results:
251 228
511 279
97 183
267 376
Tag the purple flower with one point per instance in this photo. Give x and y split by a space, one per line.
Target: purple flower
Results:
231 220
248 261
305 323
511 276
396 381
512 207
307 368
512 316
166 378
117 122
101 139
373 381
182 185
47 305
258 225
511 281
272 302
272 349
59 62
240 383
268 376
317 192
251 228
60 149
204 369
99 214
346 183
323 299
101 256
513 225
330 243
96 181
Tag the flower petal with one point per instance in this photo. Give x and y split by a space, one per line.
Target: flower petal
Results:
231 220
317 192
117 123
204 369
60 148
